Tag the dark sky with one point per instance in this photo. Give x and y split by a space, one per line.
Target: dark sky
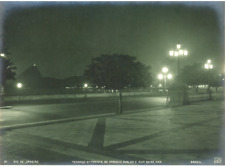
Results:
61 39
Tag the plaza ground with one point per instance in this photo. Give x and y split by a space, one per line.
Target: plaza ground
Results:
192 134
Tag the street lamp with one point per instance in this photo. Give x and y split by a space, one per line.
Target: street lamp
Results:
19 86
164 76
178 52
208 65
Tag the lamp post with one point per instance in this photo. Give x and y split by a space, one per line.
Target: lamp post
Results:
209 66
178 52
2 55
19 86
164 76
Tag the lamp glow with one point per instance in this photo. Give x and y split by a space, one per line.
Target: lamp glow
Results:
165 70
169 76
178 46
160 76
85 85
210 66
19 85
171 53
181 52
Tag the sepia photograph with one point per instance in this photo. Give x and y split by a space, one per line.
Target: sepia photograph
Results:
112 83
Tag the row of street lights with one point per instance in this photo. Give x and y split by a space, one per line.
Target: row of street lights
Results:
179 52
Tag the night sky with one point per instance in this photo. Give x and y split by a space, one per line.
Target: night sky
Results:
62 38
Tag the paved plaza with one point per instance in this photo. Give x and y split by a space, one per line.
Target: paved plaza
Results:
192 134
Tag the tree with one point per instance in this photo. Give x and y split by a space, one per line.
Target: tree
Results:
7 70
31 78
194 75
215 79
118 71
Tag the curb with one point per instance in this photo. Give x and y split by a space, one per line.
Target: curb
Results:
5 107
11 127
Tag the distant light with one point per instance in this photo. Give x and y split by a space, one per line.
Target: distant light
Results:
169 76
176 53
160 85
164 69
208 61
185 52
2 55
178 46
85 85
206 66
160 76
19 85
34 65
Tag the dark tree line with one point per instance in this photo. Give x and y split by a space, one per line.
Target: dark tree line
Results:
196 74
115 71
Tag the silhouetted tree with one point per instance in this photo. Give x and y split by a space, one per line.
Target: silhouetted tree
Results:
216 80
194 75
7 70
31 78
118 71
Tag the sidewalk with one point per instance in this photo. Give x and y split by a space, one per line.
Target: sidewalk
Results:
189 134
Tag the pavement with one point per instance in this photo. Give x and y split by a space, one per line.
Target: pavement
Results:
192 134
